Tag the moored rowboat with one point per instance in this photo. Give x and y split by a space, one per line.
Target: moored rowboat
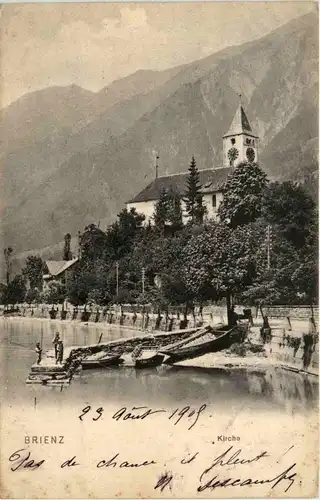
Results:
209 341
149 362
146 358
102 362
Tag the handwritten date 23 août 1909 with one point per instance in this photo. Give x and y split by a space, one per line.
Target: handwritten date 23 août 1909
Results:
187 413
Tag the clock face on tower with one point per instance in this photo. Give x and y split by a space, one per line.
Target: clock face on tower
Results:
233 154
250 154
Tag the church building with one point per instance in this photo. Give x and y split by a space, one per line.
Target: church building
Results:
240 144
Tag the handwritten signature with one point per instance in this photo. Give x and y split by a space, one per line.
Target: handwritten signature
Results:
233 457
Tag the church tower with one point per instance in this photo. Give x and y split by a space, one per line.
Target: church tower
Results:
240 144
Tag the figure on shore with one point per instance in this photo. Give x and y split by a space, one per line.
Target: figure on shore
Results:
39 352
146 321
233 317
55 342
171 321
60 352
265 330
134 318
158 321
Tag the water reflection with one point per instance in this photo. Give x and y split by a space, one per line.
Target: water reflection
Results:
265 390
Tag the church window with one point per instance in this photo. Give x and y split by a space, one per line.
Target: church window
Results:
233 141
214 201
252 142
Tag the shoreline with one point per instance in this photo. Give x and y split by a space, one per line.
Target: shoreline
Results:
250 363
220 360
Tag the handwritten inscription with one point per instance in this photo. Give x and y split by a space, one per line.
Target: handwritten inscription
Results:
142 412
21 459
116 462
231 457
215 475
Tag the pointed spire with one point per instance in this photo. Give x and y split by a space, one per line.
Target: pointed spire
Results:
240 123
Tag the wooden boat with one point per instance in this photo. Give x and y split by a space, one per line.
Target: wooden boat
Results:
101 362
147 358
194 334
149 362
211 340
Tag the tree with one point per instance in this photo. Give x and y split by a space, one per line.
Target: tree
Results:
193 197
221 262
55 294
273 282
88 283
174 215
67 255
32 295
15 291
242 195
93 242
122 234
291 209
306 273
33 270
167 211
7 258
3 289
160 215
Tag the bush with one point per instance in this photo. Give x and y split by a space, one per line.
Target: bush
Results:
55 294
15 292
32 295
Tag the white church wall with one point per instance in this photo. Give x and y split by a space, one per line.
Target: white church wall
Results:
144 207
148 207
208 201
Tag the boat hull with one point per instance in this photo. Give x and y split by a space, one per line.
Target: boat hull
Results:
222 340
101 363
153 361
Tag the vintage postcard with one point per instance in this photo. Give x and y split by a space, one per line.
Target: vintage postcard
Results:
159 261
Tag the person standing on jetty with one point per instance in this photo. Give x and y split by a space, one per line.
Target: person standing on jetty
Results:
55 342
39 352
60 351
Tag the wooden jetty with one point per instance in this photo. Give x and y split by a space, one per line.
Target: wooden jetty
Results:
48 372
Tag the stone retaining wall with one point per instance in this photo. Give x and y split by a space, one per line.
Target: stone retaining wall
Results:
293 312
139 321
292 350
103 315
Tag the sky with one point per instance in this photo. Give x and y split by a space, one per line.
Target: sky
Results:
93 44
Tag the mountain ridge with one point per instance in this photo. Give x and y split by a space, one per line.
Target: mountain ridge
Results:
94 155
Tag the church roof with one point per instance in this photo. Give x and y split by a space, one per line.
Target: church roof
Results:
240 124
211 180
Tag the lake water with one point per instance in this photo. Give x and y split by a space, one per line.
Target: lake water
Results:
266 390
268 410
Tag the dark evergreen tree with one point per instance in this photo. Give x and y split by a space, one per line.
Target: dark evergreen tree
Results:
193 197
174 214
7 258
67 255
160 215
